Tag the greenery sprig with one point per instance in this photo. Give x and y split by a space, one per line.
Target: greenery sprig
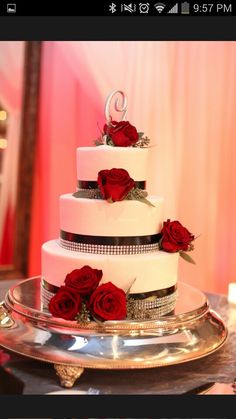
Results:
83 317
106 140
140 195
135 194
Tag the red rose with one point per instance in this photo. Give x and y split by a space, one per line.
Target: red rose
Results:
122 133
84 280
175 237
65 303
3 357
115 184
108 302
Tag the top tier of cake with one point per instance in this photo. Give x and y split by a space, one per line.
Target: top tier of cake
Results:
90 160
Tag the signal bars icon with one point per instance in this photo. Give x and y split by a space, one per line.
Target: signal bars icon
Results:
174 9
159 7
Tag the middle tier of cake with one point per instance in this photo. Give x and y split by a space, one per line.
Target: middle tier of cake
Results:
97 217
148 272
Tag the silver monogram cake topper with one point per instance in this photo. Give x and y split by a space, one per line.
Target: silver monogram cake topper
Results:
119 108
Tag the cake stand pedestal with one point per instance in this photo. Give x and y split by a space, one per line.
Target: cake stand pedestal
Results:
193 331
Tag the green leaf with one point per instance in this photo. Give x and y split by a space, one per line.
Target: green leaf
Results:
146 201
88 193
144 194
128 290
76 194
140 134
98 142
186 257
109 141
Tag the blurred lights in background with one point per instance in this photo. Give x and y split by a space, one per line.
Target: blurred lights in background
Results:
232 293
3 115
3 132
3 143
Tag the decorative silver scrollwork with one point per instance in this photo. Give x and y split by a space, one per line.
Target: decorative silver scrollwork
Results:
5 318
119 108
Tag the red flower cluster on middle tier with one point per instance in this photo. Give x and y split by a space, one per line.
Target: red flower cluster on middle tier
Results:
175 237
115 184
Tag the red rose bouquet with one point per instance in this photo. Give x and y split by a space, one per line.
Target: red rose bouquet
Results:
122 134
115 184
108 302
84 280
66 303
176 238
82 299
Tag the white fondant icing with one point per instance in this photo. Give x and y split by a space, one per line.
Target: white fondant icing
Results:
90 160
97 217
151 271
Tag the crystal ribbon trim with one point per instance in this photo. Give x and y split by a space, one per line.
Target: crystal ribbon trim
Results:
92 184
144 309
107 249
154 313
152 304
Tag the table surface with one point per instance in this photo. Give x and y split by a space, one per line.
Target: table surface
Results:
40 378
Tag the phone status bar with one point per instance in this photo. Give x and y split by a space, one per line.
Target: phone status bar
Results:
179 8
114 8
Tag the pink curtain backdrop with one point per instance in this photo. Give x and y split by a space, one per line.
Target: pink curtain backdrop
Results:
183 96
11 87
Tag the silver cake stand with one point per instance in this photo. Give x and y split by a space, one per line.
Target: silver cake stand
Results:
193 331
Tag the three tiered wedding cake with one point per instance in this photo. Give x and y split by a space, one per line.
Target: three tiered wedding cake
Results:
115 257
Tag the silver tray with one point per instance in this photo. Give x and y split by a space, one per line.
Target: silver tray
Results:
193 331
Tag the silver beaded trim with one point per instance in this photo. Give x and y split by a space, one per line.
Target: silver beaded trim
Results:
146 310
146 304
108 249
45 297
155 313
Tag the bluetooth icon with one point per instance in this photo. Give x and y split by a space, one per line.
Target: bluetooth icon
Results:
112 8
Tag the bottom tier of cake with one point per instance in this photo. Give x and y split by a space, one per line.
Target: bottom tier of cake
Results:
147 272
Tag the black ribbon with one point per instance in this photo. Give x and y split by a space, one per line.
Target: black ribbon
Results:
139 296
91 184
110 240
159 294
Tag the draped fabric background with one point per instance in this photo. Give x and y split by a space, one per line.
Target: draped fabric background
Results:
183 96
11 80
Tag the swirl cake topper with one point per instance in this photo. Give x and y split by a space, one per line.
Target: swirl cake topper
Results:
119 108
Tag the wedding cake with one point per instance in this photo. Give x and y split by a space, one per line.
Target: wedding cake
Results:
116 257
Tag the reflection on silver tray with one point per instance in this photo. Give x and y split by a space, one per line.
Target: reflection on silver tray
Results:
193 331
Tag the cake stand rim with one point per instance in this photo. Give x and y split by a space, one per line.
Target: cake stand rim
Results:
134 348
168 321
127 365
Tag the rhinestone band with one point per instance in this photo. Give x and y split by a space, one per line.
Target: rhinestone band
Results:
108 249
45 297
155 313
144 309
158 302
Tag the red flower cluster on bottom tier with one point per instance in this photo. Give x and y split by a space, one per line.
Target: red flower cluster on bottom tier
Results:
81 297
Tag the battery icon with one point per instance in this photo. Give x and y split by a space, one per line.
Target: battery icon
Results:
185 8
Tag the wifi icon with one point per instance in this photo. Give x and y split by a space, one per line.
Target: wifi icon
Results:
159 7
